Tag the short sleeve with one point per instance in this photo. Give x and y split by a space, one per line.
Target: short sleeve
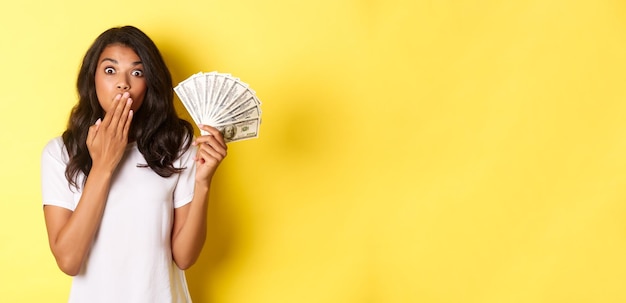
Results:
55 189
183 193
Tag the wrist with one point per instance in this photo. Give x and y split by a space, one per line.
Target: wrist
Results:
202 187
101 171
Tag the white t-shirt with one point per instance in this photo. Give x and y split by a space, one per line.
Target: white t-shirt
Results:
131 257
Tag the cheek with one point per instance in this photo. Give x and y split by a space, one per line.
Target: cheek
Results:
102 93
138 95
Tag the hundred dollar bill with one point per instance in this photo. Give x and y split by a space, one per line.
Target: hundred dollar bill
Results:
238 131
251 102
251 113
235 89
200 88
227 83
222 101
218 81
189 103
208 86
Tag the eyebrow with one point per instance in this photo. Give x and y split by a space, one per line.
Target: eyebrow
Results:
115 61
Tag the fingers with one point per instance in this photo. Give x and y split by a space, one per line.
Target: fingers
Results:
211 150
120 115
108 116
127 124
207 150
124 121
91 134
211 147
208 157
214 136
117 119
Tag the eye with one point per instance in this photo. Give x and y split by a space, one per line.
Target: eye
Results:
109 70
137 73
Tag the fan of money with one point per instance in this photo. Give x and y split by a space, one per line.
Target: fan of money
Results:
222 101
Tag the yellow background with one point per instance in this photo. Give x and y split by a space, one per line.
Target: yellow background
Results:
411 151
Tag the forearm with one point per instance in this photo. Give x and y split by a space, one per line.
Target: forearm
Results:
74 239
190 221
188 239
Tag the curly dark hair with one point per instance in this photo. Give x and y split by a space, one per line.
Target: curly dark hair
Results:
160 134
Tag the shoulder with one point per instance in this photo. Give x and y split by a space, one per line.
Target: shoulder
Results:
54 159
55 148
54 142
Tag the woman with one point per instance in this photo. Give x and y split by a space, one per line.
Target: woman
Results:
125 196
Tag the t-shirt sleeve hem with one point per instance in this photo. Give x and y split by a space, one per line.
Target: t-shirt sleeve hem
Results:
182 202
63 204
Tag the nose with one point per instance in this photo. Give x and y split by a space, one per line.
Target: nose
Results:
123 84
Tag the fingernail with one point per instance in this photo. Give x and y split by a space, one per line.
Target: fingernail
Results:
129 101
126 94
98 121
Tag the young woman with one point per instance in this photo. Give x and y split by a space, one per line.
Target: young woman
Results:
125 194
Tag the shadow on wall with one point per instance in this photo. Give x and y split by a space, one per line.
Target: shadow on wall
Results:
300 113
220 229
222 233
291 144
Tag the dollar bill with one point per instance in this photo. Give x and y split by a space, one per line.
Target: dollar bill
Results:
242 130
222 101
